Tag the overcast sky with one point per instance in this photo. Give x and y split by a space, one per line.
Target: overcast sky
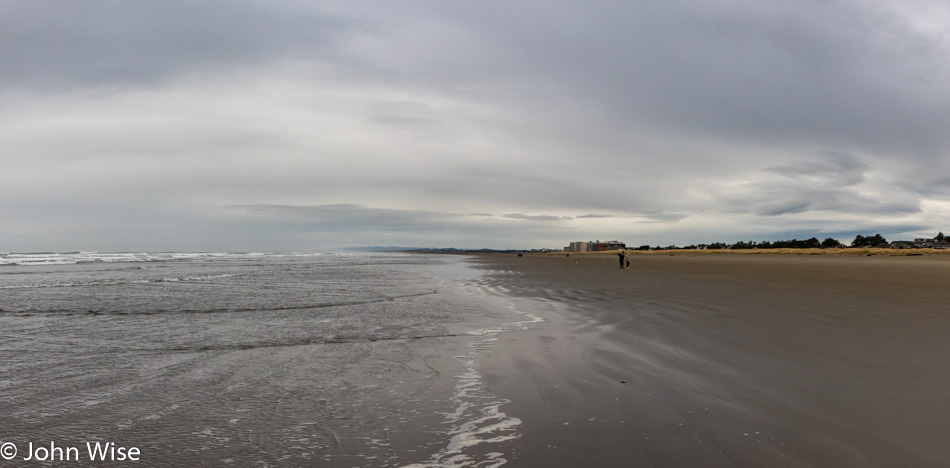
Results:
297 125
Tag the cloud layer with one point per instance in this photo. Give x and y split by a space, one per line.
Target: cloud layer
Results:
252 125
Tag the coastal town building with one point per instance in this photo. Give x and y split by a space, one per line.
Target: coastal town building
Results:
934 243
902 244
938 242
579 246
594 246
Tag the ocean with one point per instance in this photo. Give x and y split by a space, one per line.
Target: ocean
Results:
250 359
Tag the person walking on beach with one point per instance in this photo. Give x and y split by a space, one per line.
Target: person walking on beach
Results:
623 256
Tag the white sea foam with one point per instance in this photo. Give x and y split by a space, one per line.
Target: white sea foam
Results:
140 347
69 284
70 258
477 417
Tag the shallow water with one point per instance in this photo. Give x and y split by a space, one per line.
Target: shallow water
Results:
252 359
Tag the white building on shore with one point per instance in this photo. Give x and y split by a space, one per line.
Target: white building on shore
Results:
594 246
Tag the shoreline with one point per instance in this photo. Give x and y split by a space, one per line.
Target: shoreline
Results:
784 252
847 251
725 360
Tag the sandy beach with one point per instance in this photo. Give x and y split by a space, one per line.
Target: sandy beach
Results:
429 361
725 360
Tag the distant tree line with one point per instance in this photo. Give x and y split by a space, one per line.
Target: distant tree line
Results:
861 241
813 243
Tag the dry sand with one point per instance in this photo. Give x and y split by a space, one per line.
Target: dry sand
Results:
726 360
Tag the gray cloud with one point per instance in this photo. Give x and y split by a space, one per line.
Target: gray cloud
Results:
825 182
833 168
778 209
336 122
939 187
65 44
834 73
347 217
663 217
364 225
542 218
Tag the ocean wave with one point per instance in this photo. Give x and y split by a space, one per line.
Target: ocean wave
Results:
72 258
118 282
63 346
221 310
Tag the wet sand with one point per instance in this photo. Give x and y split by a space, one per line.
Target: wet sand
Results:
737 360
